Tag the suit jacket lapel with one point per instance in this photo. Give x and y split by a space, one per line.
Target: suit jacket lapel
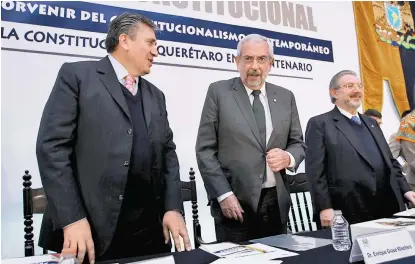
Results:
147 103
346 129
379 137
274 108
244 104
110 81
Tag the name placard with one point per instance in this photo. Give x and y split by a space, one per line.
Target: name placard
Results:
383 246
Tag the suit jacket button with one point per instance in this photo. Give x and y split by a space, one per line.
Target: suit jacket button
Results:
120 197
374 193
260 176
129 131
126 163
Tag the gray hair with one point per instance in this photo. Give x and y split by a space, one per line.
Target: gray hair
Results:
126 23
334 82
254 38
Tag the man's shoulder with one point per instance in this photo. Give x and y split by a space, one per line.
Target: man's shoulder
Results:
81 64
224 83
152 87
322 118
279 89
79 68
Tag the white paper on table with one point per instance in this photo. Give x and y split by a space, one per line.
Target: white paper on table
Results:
218 246
243 261
162 260
30 260
251 252
268 254
227 249
304 243
408 213
271 253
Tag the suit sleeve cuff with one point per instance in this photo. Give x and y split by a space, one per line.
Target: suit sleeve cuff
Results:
405 187
73 223
292 160
224 196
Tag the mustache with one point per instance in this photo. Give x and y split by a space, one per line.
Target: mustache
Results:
254 72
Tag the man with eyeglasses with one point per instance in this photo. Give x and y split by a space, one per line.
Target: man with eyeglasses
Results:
348 163
249 134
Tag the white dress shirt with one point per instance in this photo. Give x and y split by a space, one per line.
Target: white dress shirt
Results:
270 182
347 114
121 73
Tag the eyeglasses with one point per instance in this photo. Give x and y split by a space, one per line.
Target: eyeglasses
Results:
251 59
353 85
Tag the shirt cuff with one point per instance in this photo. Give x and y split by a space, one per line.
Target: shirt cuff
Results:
292 160
224 196
74 222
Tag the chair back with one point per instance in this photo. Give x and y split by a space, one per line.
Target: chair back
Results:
301 211
34 202
189 193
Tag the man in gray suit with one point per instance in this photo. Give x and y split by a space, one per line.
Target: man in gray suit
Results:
106 154
395 145
249 134
406 137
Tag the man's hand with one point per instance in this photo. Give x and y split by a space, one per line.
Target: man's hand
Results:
326 217
410 196
174 222
278 159
231 208
78 238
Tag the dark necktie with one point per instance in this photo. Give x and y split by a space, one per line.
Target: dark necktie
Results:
259 114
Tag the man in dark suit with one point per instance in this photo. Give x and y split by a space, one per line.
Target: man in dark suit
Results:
349 166
106 154
249 134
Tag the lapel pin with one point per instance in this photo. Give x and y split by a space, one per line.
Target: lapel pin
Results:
275 100
373 126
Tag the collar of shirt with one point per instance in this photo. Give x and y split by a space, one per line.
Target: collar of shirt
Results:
263 90
120 71
347 114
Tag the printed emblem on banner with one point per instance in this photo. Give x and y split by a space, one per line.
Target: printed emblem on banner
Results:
393 16
394 23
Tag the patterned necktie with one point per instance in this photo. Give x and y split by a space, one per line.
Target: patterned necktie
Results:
356 120
129 81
